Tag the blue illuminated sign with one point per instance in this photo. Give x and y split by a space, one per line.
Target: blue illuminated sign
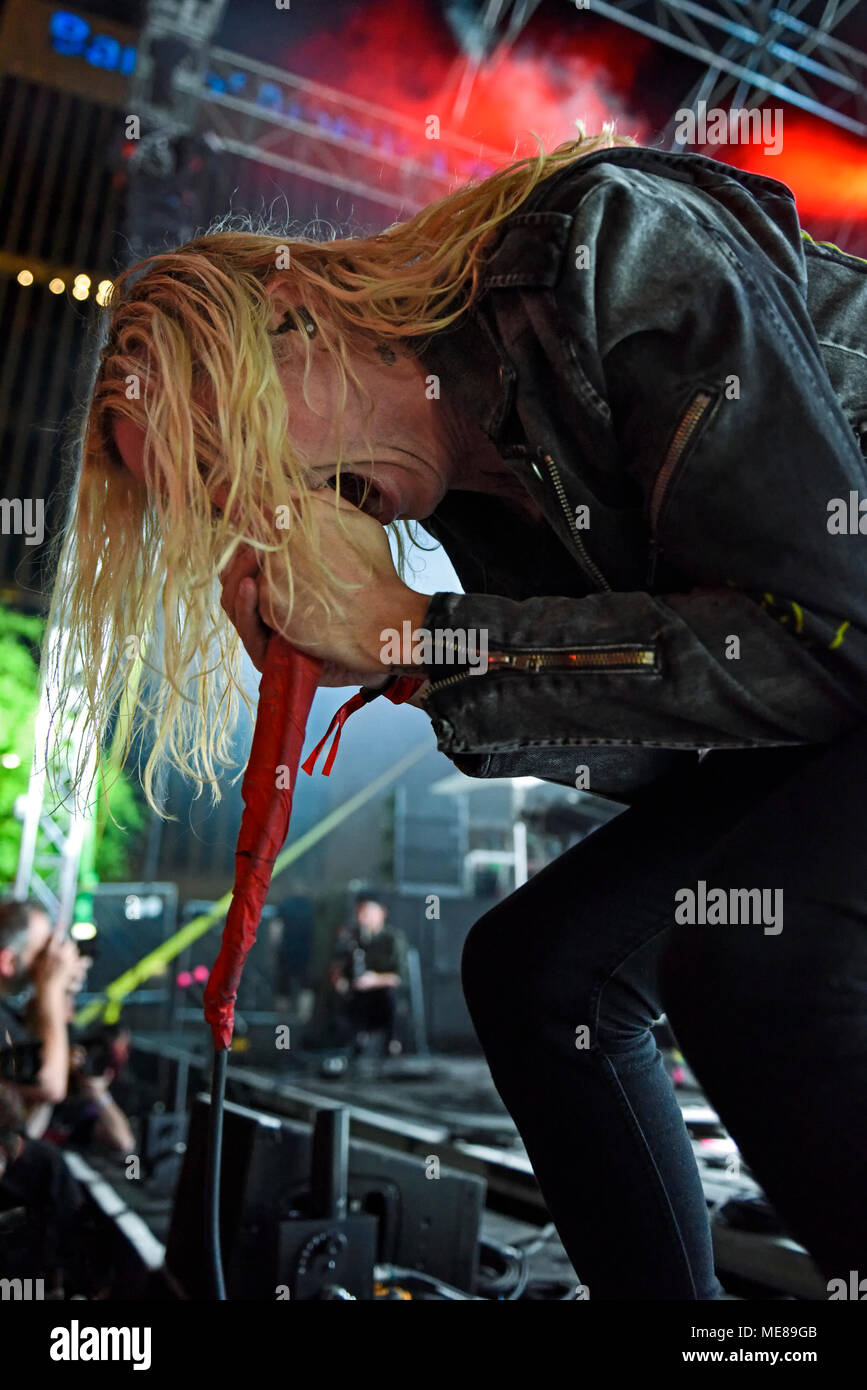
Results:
72 36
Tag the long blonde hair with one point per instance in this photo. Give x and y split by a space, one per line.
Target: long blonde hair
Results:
188 358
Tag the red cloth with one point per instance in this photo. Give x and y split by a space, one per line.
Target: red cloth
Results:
399 690
286 691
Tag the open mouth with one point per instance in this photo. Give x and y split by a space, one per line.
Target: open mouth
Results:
365 495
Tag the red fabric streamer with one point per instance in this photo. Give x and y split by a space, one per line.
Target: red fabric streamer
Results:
289 682
401 689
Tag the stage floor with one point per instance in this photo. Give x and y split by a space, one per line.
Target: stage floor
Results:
414 1103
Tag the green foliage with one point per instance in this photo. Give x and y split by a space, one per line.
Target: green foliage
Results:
126 804
20 635
19 638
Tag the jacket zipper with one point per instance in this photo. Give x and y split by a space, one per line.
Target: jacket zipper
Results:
585 659
590 658
591 569
683 436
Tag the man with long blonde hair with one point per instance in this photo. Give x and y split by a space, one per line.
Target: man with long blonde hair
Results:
624 390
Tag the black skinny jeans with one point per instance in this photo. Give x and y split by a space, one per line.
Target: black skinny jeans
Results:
774 1024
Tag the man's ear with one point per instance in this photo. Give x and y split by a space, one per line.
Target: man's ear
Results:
129 442
7 963
281 297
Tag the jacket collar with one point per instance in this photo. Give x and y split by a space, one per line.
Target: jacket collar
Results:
469 364
469 357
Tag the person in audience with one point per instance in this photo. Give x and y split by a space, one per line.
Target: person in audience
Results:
34 1045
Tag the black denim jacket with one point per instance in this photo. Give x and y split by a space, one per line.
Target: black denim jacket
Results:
657 341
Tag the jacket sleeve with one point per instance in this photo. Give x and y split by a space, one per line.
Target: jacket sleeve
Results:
687 300
649 670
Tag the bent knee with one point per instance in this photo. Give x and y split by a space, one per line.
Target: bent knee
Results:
500 961
482 955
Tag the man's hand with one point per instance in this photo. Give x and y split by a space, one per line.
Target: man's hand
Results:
79 978
96 1087
57 968
255 598
376 979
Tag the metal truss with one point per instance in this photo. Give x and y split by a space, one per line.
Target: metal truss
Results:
54 826
756 49
751 50
480 33
260 112
174 39
494 24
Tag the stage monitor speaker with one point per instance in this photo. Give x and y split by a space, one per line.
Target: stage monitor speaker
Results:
428 1216
131 919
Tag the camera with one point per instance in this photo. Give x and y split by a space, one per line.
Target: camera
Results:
21 1064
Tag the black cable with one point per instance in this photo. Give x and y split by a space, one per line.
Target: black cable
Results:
509 1280
212 1184
523 1279
531 1245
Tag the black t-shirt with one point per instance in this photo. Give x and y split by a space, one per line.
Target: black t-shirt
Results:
40 1179
20 1052
12 1028
382 952
40 1182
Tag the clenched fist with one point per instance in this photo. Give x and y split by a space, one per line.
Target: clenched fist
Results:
255 598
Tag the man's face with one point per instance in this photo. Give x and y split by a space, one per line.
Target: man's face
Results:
16 963
405 476
370 916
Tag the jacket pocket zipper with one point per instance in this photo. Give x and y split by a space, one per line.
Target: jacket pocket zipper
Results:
584 659
674 456
591 569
